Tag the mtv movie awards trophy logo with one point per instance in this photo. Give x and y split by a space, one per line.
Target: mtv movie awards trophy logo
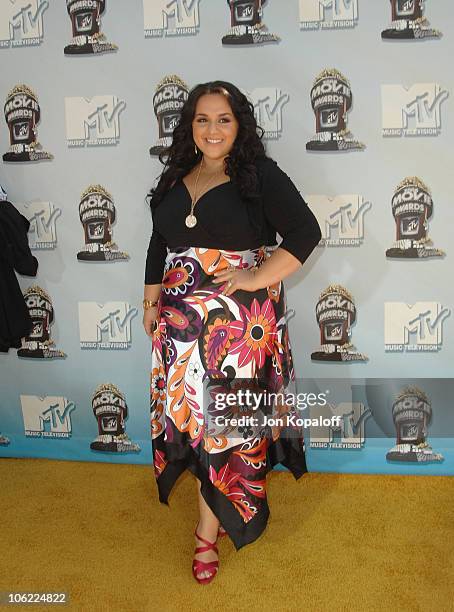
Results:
42 216
39 343
47 417
336 313
171 93
412 111
328 14
246 24
414 327
171 17
97 214
93 121
85 18
268 104
341 218
21 22
22 113
412 207
412 413
105 326
331 99
408 22
111 411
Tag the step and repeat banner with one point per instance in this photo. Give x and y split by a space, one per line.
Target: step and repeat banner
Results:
356 100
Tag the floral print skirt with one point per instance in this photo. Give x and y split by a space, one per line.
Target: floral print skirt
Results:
205 347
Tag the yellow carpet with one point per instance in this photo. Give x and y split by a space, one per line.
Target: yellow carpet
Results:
334 542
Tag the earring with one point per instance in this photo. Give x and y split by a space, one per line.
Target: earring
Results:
196 150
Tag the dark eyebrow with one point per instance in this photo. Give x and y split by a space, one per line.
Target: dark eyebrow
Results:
220 114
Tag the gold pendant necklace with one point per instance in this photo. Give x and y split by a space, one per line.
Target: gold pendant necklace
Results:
191 219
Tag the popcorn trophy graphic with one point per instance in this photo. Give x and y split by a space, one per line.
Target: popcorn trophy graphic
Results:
171 93
336 313
412 207
412 413
39 344
408 22
22 113
246 24
97 214
110 409
85 21
331 99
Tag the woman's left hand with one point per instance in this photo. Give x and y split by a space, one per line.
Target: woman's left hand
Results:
235 279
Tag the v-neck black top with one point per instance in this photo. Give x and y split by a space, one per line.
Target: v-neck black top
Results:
223 221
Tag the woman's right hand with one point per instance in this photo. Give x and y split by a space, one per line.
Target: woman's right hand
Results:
149 317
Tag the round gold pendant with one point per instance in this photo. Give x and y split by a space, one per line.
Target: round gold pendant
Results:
191 220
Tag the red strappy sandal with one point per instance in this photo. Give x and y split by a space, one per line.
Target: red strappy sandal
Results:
203 566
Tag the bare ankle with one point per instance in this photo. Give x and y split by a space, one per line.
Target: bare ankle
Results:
208 526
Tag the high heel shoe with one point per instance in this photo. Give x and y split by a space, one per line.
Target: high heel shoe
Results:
202 566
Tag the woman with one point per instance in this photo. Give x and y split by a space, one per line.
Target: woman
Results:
215 308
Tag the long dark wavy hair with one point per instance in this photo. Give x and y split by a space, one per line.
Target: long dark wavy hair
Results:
181 157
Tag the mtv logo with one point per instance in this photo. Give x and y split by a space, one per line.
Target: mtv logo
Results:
329 119
243 12
170 123
47 415
340 217
417 106
268 103
405 8
105 325
109 424
93 118
352 417
318 10
42 217
170 14
421 323
22 19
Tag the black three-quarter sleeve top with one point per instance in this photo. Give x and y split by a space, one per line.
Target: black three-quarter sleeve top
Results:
223 221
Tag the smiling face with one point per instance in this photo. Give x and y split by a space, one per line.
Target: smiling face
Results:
214 127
